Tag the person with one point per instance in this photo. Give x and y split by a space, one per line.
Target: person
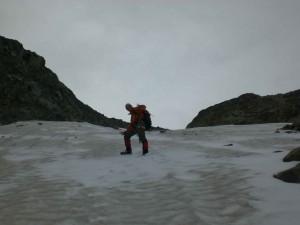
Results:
136 126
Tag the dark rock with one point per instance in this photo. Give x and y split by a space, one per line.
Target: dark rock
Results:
229 145
295 126
288 127
290 176
251 109
293 155
31 91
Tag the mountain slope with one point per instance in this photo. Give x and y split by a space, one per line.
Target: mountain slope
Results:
31 91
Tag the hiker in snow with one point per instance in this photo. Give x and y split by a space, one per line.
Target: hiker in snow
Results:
136 126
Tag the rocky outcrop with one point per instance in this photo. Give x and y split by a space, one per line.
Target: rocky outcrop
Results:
31 91
291 175
251 109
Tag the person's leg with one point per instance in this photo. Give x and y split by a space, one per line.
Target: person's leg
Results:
143 139
127 143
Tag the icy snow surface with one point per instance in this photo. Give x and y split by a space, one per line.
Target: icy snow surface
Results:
72 173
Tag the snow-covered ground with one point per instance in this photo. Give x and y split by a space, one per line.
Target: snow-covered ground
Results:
72 173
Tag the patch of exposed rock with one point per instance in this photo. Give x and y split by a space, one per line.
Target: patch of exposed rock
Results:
31 91
251 109
295 126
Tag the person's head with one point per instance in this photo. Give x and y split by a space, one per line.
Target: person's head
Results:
128 107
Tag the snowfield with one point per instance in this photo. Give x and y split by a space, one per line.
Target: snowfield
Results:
73 173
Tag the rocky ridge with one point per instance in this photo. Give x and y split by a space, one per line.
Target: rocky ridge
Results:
31 91
251 109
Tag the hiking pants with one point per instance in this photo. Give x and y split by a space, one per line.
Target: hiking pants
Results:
142 137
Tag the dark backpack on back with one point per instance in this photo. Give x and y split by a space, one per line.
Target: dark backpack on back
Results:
147 120
146 116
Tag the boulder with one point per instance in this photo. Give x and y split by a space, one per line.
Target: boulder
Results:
293 155
291 175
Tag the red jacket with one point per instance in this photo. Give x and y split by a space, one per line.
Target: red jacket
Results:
136 116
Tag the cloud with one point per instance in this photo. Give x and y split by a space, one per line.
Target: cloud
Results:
178 57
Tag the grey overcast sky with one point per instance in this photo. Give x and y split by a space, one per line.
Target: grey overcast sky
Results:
175 56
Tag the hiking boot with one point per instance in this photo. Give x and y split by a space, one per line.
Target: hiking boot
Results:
126 152
145 152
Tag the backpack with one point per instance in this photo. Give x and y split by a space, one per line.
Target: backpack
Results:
146 117
147 120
